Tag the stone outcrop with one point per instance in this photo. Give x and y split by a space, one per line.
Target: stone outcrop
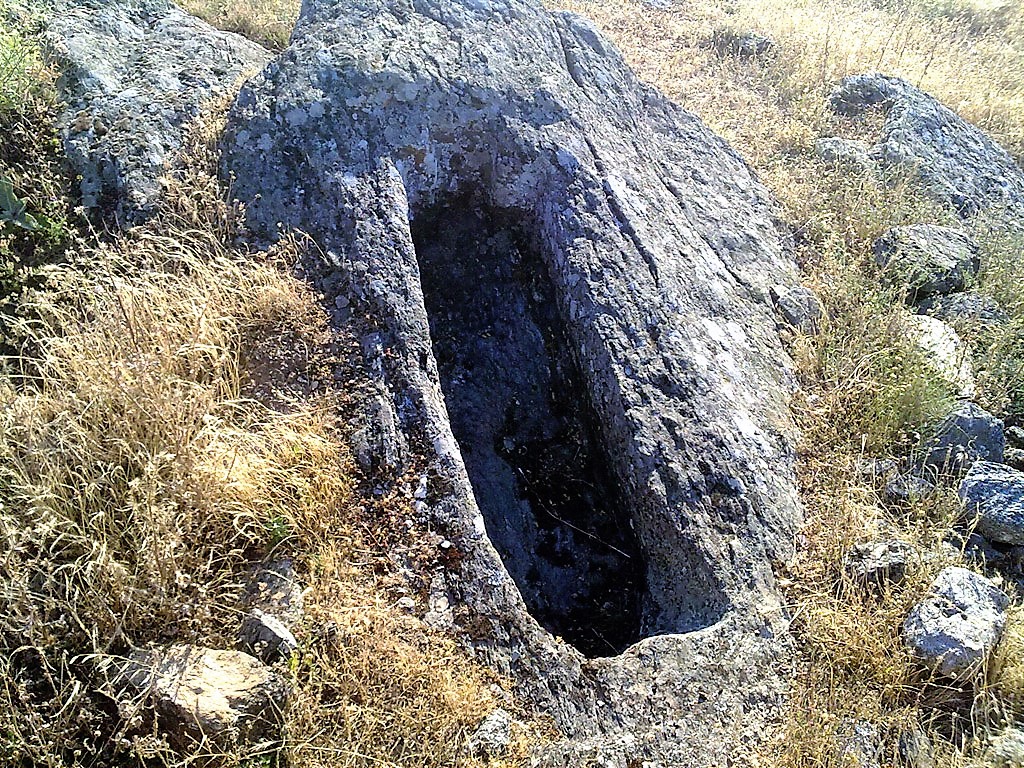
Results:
927 259
956 627
950 160
967 434
560 281
994 494
133 74
968 310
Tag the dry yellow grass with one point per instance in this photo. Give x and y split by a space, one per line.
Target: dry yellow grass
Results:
267 22
150 456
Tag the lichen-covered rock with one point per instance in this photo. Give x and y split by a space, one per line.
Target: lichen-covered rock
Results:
968 309
848 154
561 284
994 494
927 259
952 161
966 434
879 563
133 74
799 307
493 736
226 699
958 624
944 352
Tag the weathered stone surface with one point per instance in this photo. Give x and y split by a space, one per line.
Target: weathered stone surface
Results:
858 744
226 698
967 434
958 624
493 736
567 278
799 307
994 493
944 352
879 563
133 73
952 161
272 610
927 259
848 154
1007 749
964 310
916 749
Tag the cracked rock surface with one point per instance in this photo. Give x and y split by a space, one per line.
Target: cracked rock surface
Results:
561 282
133 74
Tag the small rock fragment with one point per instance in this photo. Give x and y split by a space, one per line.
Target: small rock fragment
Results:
858 744
877 563
1014 457
742 45
798 306
927 259
958 624
203 695
493 736
873 470
916 749
908 488
944 352
266 637
967 434
273 608
995 494
1015 436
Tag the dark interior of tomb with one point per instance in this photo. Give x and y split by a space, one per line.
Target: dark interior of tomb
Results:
526 428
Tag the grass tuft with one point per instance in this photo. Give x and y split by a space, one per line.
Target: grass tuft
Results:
267 22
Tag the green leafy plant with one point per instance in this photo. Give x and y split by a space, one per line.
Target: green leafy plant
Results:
13 210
